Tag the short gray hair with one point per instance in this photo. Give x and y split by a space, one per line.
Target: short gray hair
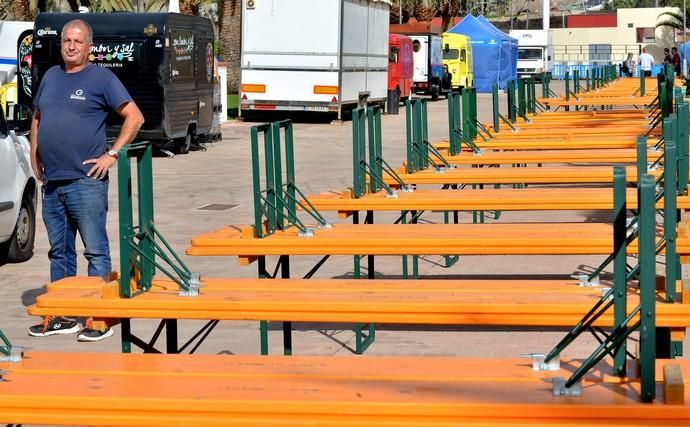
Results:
74 23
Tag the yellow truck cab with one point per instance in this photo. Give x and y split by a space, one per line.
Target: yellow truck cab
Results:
457 60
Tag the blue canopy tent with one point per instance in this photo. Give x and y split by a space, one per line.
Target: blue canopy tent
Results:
492 54
513 43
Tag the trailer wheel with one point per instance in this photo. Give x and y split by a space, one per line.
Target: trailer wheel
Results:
184 144
435 91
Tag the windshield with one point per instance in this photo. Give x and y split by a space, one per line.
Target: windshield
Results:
451 54
530 53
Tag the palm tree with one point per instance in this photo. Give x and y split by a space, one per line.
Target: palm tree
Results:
229 24
671 19
407 6
424 10
21 10
626 4
447 10
124 5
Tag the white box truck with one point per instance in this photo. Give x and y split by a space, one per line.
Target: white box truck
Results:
313 55
428 64
535 52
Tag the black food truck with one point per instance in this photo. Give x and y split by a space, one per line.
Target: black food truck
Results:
165 60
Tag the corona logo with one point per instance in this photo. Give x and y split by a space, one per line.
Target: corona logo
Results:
150 30
46 32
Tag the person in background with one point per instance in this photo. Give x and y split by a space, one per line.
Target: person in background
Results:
68 154
668 59
646 63
628 68
675 56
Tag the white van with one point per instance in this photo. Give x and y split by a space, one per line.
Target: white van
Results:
18 187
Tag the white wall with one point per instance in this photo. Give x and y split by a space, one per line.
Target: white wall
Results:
622 38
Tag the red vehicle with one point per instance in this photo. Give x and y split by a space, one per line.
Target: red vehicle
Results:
400 65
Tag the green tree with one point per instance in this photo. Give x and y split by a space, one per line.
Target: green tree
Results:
425 10
229 24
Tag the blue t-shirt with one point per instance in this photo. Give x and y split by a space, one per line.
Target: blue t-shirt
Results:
74 107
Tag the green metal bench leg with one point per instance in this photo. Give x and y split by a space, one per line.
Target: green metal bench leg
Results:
663 343
449 260
620 284
263 335
171 345
364 340
676 349
126 331
263 324
647 259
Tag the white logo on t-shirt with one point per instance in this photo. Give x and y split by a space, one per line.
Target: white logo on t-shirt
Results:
78 94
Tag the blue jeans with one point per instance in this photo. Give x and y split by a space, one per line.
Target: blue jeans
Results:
71 206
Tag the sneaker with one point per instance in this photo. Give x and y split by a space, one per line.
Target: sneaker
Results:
53 325
92 335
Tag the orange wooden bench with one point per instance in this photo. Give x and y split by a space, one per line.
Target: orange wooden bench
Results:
598 100
512 175
219 390
475 199
545 141
491 157
564 123
549 303
418 239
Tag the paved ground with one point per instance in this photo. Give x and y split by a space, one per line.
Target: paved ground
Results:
222 175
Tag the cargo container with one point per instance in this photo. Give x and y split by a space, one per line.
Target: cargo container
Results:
304 55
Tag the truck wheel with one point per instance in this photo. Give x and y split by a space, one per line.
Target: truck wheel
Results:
21 247
435 91
184 144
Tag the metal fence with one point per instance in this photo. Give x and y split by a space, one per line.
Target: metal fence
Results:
568 58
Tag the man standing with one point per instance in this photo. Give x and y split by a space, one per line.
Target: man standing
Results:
675 60
68 155
646 62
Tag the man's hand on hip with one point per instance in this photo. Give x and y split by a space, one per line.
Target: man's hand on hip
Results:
100 166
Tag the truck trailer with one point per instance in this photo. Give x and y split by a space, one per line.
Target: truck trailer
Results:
400 66
165 60
303 55
535 52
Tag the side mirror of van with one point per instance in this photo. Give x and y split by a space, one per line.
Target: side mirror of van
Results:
19 118
446 47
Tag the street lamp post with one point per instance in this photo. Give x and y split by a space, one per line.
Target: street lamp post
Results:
685 49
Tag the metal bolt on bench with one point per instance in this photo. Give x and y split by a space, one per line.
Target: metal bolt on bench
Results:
9 352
